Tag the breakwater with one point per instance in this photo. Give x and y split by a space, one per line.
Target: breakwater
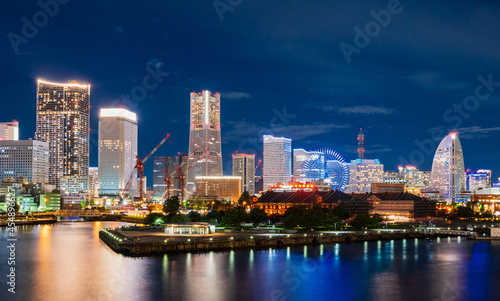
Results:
131 247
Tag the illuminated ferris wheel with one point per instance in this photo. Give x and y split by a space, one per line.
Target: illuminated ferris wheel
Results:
328 165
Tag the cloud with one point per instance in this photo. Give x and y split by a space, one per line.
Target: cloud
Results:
235 95
476 132
362 110
243 130
433 81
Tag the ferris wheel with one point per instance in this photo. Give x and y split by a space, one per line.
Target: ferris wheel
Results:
328 165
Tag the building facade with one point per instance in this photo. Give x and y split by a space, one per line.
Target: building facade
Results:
9 130
117 149
489 198
205 153
244 167
277 160
415 177
63 121
93 181
225 187
28 158
299 157
364 172
447 175
478 180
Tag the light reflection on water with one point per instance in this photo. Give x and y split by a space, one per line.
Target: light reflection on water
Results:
68 261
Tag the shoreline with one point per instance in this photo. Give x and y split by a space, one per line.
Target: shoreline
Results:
4 223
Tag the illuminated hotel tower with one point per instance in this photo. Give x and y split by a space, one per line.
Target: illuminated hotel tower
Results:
447 175
277 160
117 150
205 154
63 120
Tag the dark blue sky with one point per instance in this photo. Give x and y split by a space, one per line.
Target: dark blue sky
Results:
280 69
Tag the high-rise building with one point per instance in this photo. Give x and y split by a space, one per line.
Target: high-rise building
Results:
28 158
117 150
277 160
171 164
9 130
244 167
215 187
63 121
447 176
205 154
364 172
299 157
94 181
478 180
414 177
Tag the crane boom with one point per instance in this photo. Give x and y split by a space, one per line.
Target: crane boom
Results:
155 149
139 167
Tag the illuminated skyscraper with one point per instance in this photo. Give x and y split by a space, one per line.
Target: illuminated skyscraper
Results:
117 150
205 154
63 120
277 160
299 157
9 130
447 175
244 167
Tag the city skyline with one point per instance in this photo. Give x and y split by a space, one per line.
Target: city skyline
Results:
299 86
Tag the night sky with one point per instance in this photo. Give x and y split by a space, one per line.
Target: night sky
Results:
280 68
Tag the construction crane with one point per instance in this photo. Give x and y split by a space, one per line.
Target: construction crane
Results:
181 175
258 164
168 178
139 167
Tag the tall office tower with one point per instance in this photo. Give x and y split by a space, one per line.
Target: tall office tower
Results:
277 160
117 150
63 120
299 157
361 144
94 181
447 175
364 172
9 130
205 154
28 158
244 167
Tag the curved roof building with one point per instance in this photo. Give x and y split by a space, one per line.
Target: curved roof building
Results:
447 174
